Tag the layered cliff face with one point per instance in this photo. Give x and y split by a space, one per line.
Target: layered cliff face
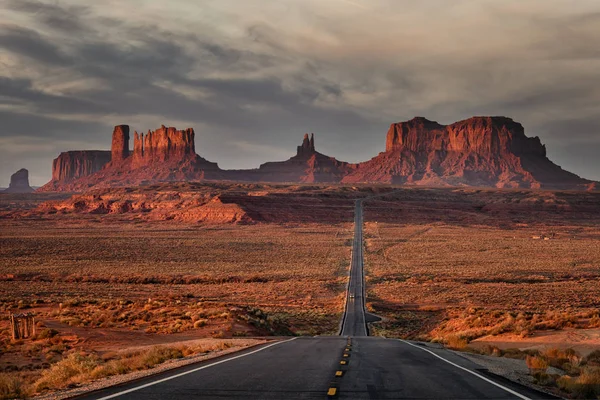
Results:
19 182
308 166
480 151
163 145
163 155
72 165
120 143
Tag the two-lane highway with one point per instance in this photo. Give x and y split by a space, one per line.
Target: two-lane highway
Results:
354 323
350 366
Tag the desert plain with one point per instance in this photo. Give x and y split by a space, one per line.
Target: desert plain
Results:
202 267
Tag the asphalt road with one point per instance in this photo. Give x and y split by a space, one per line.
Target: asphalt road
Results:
350 366
354 323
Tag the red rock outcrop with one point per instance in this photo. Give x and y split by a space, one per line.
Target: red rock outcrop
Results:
162 145
480 151
164 155
120 143
19 182
73 165
308 166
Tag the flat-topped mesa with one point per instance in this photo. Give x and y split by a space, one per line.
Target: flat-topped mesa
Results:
486 136
71 165
412 135
120 144
308 146
163 144
492 136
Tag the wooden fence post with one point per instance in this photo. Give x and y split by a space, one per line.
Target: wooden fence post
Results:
22 325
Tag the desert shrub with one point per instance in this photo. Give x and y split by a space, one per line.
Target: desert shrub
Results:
536 363
200 323
559 357
158 355
456 342
67 371
47 333
586 385
12 387
593 359
514 353
544 379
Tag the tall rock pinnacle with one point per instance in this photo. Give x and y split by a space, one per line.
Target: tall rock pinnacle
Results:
308 145
120 143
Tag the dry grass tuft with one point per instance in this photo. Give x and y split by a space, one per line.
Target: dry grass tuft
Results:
536 363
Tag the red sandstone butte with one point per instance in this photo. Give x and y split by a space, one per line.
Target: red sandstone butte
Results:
19 182
308 166
479 151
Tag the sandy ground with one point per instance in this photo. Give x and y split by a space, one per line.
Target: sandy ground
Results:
509 368
584 341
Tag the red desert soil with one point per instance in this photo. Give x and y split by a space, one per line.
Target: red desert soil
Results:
172 262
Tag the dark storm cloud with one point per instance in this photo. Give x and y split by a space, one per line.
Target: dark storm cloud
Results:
20 91
66 19
29 125
268 77
31 44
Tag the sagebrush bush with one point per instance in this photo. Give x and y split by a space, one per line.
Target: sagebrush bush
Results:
12 387
456 342
67 371
536 363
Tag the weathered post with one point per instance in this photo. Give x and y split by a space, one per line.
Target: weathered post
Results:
22 325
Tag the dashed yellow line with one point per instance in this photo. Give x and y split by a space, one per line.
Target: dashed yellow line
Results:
332 391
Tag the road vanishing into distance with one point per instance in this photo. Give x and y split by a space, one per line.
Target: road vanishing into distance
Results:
349 366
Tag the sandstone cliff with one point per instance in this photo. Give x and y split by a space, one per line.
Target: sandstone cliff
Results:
166 154
19 182
163 145
120 143
72 165
307 166
480 151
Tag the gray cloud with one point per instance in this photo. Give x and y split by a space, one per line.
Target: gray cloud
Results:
255 82
30 43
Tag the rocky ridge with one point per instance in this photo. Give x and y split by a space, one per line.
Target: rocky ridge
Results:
480 151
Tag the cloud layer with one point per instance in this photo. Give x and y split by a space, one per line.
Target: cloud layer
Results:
251 77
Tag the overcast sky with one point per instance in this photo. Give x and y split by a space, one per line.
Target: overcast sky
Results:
251 77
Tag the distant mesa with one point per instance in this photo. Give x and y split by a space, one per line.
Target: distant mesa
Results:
480 151
19 182
163 155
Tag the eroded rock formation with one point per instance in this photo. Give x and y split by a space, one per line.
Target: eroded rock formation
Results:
480 151
120 143
308 166
308 146
162 145
163 155
19 182
73 165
